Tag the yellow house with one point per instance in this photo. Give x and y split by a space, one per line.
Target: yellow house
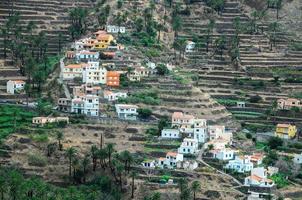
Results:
104 41
286 131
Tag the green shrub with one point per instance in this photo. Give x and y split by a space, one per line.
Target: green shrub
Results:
255 99
280 179
39 137
275 142
37 160
144 112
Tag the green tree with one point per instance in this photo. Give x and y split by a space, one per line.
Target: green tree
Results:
78 18
272 32
94 156
60 137
275 142
133 175
119 4
162 69
176 25
195 187
110 150
144 113
70 154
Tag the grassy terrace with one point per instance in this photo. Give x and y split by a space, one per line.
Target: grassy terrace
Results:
13 118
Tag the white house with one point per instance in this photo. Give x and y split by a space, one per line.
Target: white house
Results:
187 165
126 111
179 119
171 160
188 146
94 73
87 105
151 65
149 163
297 158
257 158
200 130
223 154
216 131
114 96
217 143
73 71
138 73
190 46
14 86
87 56
241 164
115 29
258 178
170 134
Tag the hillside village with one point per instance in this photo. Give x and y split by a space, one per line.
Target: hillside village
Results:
150 100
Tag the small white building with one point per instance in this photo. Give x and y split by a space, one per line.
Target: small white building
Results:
189 165
241 164
240 104
149 163
73 71
188 146
87 105
216 131
114 96
258 178
93 73
179 119
138 73
171 160
115 29
190 46
126 111
14 86
200 130
87 56
46 120
170 134
223 154
297 158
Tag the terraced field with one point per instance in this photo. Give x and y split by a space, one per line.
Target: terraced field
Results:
259 64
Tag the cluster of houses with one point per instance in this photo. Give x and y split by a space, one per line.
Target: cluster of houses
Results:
194 133
100 80
217 141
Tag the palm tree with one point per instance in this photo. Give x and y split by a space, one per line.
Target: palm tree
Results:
195 187
94 156
70 154
102 155
85 163
176 25
51 149
133 175
75 166
159 28
60 137
182 182
110 150
3 186
210 28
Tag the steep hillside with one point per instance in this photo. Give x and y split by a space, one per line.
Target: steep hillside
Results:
268 70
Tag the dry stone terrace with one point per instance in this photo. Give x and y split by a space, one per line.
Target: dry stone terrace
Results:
217 74
50 16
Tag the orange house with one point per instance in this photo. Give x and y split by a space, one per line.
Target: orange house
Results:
113 79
